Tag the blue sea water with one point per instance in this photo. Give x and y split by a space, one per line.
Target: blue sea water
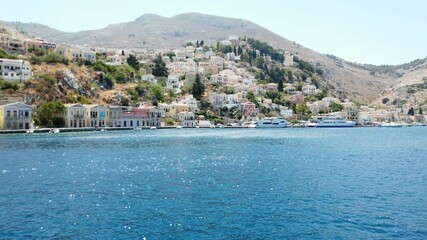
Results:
359 183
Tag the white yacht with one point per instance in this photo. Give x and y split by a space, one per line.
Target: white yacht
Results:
390 124
334 121
54 130
276 122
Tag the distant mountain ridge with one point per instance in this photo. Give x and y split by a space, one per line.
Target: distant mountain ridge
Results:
153 31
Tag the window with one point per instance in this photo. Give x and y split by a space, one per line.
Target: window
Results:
15 113
8 113
21 113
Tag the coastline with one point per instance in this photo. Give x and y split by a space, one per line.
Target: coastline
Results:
93 129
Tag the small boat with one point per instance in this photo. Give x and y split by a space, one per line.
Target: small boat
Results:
153 128
103 130
390 124
178 127
54 130
31 129
251 124
137 128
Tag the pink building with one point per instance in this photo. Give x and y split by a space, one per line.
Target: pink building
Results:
136 117
249 111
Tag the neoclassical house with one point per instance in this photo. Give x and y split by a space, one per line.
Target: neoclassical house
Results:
15 116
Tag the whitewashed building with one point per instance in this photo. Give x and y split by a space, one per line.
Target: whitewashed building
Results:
309 89
15 70
187 119
75 115
173 83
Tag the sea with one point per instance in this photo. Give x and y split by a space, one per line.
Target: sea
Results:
292 183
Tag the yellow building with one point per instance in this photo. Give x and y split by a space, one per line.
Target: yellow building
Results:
15 116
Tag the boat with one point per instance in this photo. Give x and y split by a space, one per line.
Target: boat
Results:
54 130
334 121
275 122
251 124
390 124
31 129
103 130
137 128
153 128
178 127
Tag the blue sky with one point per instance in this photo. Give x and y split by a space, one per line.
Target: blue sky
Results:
364 31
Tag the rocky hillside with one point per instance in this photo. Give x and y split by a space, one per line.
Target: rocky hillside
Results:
153 31
411 89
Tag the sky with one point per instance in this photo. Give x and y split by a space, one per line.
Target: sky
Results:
363 31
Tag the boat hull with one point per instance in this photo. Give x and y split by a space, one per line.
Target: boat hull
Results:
271 126
337 125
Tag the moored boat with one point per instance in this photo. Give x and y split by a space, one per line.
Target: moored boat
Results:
390 124
276 122
54 130
333 121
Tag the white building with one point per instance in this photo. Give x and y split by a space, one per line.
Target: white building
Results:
173 83
187 119
329 100
220 100
309 89
149 78
191 102
75 115
88 55
286 112
289 59
15 70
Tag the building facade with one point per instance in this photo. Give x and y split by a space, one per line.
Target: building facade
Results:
75 115
15 116
15 70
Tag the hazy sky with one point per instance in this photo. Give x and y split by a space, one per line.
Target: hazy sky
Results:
365 31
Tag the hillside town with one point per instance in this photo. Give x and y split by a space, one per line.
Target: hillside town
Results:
236 81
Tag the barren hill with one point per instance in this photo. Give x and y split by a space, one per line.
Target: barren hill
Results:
153 31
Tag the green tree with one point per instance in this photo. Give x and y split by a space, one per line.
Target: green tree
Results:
280 85
276 74
250 95
259 62
321 95
157 93
198 87
298 87
160 69
202 43
385 100
229 90
301 110
133 62
50 114
336 107
411 112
